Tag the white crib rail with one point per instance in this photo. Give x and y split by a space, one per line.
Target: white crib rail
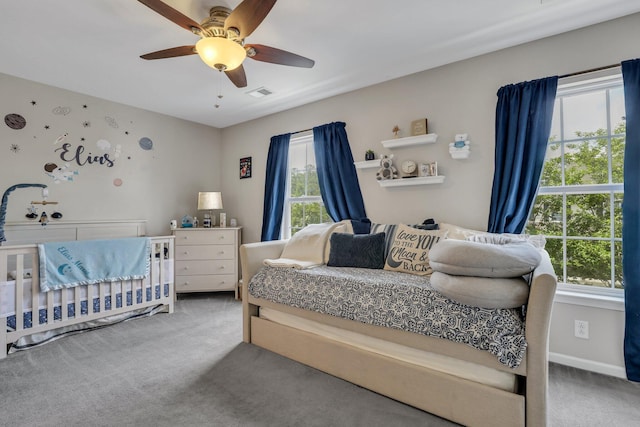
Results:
23 257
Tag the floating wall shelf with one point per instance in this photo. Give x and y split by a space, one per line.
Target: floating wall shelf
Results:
367 164
429 138
404 182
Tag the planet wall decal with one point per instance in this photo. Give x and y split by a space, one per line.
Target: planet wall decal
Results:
145 143
15 121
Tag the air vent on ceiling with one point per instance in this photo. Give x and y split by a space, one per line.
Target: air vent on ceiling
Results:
260 92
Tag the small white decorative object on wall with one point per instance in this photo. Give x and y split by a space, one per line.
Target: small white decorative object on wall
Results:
459 149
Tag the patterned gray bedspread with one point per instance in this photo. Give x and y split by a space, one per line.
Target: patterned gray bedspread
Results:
394 300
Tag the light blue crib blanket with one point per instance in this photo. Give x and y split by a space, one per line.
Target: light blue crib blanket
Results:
81 262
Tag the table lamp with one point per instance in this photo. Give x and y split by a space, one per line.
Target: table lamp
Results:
207 201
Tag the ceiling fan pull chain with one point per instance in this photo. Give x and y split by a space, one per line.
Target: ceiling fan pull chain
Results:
219 87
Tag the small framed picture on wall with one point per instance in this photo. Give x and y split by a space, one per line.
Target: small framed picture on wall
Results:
245 167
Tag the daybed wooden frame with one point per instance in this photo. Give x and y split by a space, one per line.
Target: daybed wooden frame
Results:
162 251
463 401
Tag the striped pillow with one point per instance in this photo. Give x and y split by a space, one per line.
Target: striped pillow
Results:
390 234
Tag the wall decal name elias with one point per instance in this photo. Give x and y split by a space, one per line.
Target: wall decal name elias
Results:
68 154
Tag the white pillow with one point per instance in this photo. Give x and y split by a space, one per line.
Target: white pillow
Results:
467 258
309 244
482 291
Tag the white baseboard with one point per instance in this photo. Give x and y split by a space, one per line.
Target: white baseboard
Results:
588 365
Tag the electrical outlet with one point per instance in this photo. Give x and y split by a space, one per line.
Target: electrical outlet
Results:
581 329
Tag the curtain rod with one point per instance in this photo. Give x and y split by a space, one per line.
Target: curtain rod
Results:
301 131
592 70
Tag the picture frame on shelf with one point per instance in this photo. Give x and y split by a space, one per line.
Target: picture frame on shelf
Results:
419 127
245 167
433 169
428 169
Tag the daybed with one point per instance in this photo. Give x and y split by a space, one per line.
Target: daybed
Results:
447 377
49 315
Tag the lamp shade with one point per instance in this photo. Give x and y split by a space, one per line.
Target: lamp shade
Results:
208 200
220 53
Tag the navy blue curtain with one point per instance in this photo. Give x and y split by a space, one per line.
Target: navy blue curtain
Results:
523 124
337 175
275 186
631 219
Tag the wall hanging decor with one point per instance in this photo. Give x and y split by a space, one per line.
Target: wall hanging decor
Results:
245 167
15 121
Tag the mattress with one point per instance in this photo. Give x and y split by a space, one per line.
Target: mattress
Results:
441 363
394 300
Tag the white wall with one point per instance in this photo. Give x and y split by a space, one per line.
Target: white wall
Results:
157 184
456 98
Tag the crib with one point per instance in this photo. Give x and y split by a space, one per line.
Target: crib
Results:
47 316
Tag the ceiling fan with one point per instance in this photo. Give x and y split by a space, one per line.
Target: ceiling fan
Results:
222 45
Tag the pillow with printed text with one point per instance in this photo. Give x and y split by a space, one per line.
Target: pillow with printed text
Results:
409 252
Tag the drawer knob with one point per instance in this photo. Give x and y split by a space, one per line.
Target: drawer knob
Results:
185 284
186 252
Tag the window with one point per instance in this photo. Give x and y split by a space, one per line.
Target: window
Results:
579 203
303 202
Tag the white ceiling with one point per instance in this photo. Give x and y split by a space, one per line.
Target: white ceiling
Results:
93 47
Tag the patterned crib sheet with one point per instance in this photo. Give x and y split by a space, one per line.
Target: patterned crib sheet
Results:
394 300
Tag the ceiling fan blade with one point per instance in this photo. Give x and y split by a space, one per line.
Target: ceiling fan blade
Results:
277 56
248 15
237 76
170 53
171 14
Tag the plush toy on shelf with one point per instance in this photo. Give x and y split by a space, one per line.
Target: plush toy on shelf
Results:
387 170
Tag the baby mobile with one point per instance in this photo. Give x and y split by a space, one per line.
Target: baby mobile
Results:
32 211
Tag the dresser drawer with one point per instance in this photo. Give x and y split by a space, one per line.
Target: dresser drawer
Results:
196 267
203 236
202 252
199 283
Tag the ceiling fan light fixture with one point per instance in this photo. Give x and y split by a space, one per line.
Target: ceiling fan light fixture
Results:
220 53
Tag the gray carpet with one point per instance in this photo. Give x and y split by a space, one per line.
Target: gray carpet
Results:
191 369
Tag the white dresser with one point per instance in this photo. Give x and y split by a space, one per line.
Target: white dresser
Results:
207 259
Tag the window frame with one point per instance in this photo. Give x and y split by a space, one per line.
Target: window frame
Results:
592 82
303 138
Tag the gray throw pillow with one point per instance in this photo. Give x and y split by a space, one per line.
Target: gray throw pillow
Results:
466 258
357 250
482 292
